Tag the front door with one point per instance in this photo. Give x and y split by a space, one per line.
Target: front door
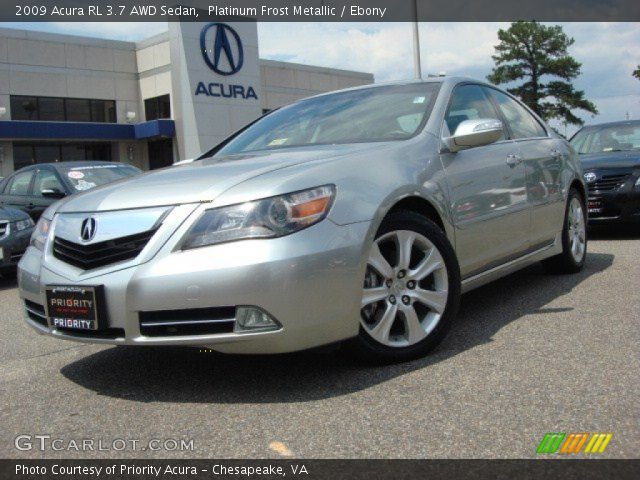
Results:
487 187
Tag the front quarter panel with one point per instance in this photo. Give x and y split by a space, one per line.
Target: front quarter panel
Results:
368 185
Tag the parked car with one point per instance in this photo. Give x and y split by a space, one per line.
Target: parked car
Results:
33 188
340 217
15 230
610 157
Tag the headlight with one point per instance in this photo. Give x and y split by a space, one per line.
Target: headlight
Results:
266 218
40 234
638 182
24 224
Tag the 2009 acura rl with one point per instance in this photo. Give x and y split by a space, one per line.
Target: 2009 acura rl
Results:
358 215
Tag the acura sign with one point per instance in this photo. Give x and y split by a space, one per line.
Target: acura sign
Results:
222 51
226 55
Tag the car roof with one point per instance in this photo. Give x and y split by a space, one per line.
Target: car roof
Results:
82 163
618 123
443 79
73 164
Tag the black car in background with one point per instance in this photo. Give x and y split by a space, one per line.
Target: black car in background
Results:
32 189
610 157
15 231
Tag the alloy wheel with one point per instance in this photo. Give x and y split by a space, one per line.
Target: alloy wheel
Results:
405 290
577 230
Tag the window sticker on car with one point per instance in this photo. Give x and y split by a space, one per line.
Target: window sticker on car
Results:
75 175
84 185
419 100
277 141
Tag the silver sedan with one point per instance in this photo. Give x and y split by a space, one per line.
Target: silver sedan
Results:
360 215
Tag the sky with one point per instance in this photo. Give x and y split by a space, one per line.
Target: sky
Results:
609 52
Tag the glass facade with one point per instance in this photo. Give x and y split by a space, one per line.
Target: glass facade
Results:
62 109
30 153
157 107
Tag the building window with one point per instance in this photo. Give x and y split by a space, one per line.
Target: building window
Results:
44 152
157 107
62 109
78 110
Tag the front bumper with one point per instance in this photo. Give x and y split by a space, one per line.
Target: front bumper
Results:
310 282
618 206
13 247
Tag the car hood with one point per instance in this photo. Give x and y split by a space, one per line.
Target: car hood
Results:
200 181
12 214
630 159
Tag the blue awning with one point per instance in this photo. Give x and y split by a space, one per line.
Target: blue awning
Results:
37 130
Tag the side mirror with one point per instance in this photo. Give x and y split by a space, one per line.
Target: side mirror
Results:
474 133
52 193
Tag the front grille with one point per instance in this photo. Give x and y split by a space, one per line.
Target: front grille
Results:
4 229
96 255
609 182
36 312
193 321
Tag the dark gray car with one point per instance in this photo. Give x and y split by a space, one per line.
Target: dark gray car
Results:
15 230
32 189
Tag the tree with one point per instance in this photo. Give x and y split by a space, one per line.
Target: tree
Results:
534 54
636 72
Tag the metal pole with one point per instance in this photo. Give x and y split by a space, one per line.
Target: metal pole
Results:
416 43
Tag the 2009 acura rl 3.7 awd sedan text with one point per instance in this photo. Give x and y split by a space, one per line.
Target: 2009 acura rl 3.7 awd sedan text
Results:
358 215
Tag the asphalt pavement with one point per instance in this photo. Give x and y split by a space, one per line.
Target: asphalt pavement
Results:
529 354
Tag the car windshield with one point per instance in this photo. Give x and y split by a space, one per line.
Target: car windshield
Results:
612 138
89 176
374 114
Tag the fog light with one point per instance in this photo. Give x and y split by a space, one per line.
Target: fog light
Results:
253 319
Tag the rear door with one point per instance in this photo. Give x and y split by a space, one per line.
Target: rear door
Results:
16 194
543 158
487 189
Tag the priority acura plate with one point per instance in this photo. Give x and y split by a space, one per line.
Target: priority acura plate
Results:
73 307
595 206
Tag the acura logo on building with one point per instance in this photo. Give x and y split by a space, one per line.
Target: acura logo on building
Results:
225 56
88 229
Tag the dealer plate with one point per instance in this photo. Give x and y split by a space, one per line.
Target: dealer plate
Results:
73 307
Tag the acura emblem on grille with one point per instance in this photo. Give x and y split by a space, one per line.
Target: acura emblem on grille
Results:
88 229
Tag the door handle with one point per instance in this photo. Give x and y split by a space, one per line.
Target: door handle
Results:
30 206
513 160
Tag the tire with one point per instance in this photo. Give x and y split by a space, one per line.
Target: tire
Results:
425 281
574 234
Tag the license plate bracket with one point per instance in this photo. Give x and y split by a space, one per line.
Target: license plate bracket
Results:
595 206
76 307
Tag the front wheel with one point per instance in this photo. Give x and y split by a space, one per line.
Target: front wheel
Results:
574 238
411 290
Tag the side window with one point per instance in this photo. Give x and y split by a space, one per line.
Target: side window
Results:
20 184
46 180
468 102
521 122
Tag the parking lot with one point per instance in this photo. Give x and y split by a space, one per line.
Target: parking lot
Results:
530 354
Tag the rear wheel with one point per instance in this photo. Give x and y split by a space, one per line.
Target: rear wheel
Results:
411 289
574 238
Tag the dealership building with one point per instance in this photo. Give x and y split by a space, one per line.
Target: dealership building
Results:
150 103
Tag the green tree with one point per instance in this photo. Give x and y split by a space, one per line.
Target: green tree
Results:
636 72
535 58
